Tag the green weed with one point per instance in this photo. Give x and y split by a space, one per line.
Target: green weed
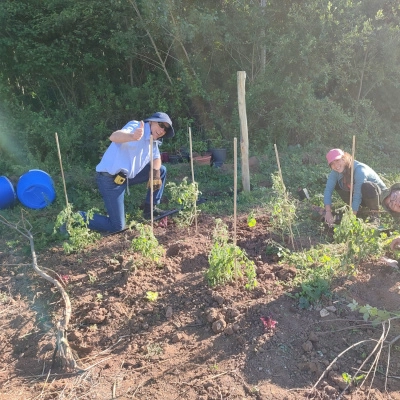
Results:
316 268
92 278
151 296
362 241
227 261
349 379
154 349
376 315
147 244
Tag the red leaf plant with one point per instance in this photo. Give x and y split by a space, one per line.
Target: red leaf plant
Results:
268 322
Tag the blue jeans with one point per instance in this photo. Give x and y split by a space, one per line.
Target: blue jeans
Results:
113 197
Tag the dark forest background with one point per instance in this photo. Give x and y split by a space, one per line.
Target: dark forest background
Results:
318 73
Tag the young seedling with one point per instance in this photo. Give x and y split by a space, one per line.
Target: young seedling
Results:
151 296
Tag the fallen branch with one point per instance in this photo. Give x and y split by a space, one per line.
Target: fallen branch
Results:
62 354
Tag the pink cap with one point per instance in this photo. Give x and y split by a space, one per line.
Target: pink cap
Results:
334 154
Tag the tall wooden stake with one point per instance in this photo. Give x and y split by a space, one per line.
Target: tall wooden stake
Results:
352 170
62 171
151 182
191 166
244 137
234 188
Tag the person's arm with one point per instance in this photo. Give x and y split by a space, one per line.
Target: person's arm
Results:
157 163
329 188
122 136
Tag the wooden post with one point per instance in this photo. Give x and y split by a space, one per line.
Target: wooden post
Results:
263 45
352 170
234 189
244 138
151 182
62 170
193 182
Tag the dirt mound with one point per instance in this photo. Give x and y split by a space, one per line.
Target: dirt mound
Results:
193 342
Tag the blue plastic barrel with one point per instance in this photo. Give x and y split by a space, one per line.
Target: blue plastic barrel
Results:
7 193
35 189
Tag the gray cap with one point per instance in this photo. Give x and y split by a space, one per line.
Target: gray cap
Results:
162 117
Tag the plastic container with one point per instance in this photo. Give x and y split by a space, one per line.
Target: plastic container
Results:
7 193
218 156
35 189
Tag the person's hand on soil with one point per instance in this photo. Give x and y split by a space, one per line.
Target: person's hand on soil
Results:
329 219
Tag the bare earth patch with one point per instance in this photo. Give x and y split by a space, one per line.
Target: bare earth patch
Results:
194 342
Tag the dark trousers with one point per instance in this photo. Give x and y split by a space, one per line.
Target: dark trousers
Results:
370 195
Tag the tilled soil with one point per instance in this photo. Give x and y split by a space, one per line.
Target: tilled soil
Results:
194 342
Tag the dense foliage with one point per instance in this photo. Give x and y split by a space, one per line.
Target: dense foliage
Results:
316 72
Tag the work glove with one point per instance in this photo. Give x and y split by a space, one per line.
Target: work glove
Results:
156 180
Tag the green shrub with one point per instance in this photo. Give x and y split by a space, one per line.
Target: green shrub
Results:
147 244
227 261
79 235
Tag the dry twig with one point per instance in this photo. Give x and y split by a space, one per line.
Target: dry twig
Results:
62 353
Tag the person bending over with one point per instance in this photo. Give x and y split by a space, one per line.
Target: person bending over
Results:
367 185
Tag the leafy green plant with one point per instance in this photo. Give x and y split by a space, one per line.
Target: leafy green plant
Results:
147 244
154 349
79 235
227 261
185 196
92 278
282 207
251 220
315 269
349 379
376 315
151 296
362 241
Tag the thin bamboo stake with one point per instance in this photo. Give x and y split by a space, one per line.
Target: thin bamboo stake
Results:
191 166
62 171
244 135
284 191
279 168
352 170
234 189
151 181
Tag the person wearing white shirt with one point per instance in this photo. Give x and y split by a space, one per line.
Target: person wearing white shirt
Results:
127 162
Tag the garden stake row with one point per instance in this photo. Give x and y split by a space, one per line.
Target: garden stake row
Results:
284 191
